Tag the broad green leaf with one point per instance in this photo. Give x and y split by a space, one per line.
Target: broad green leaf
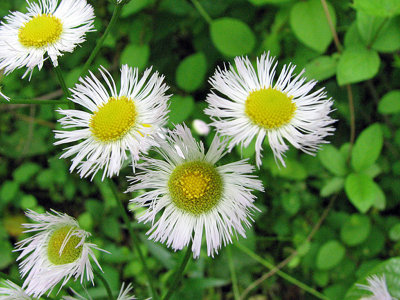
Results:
379 33
360 190
232 37
191 72
321 68
135 55
28 202
357 63
380 198
394 232
333 160
180 109
390 103
390 269
329 255
8 191
352 37
25 172
310 25
367 147
355 230
334 185
380 8
293 170
134 6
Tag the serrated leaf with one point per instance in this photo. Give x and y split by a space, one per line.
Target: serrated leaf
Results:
309 24
390 103
191 72
357 63
333 160
360 190
329 255
232 37
367 147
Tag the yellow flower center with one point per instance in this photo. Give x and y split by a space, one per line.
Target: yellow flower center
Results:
270 108
195 187
70 251
114 119
41 31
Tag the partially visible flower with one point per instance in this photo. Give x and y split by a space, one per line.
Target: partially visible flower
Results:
193 194
119 121
10 291
124 294
4 96
377 286
201 127
249 105
58 251
47 29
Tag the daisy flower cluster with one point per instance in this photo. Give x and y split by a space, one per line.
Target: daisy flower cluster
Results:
187 193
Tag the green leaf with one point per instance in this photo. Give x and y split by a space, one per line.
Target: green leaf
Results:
355 230
380 198
360 190
8 191
394 232
329 255
333 160
310 25
379 33
180 109
232 37
357 63
390 269
191 72
263 2
380 8
25 172
134 6
390 103
135 55
367 147
6 257
334 185
321 68
293 170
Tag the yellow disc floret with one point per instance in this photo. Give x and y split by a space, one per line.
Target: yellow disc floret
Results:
195 187
269 108
41 31
114 119
70 251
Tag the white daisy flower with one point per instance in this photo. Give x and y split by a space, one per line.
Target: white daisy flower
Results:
377 286
10 291
46 30
118 120
193 194
57 252
248 104
124 294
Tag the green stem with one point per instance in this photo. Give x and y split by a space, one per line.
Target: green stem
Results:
35 101
179 272
236 292
282 274
105 283
114 19
135 239
62 82
202 11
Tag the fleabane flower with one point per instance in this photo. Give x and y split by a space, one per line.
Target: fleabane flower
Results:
49 28
118 121
10 291
124 294
57 252
4 96
248 104
377 286
193 194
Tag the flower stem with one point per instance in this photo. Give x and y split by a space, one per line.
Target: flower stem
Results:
35 101
62 82
179 272
135 239
282 274
99 44
236 292
202 11
105 283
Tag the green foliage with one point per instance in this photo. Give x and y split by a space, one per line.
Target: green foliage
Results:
191 72
390 103
329 255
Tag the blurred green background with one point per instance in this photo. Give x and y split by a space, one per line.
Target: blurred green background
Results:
335 216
